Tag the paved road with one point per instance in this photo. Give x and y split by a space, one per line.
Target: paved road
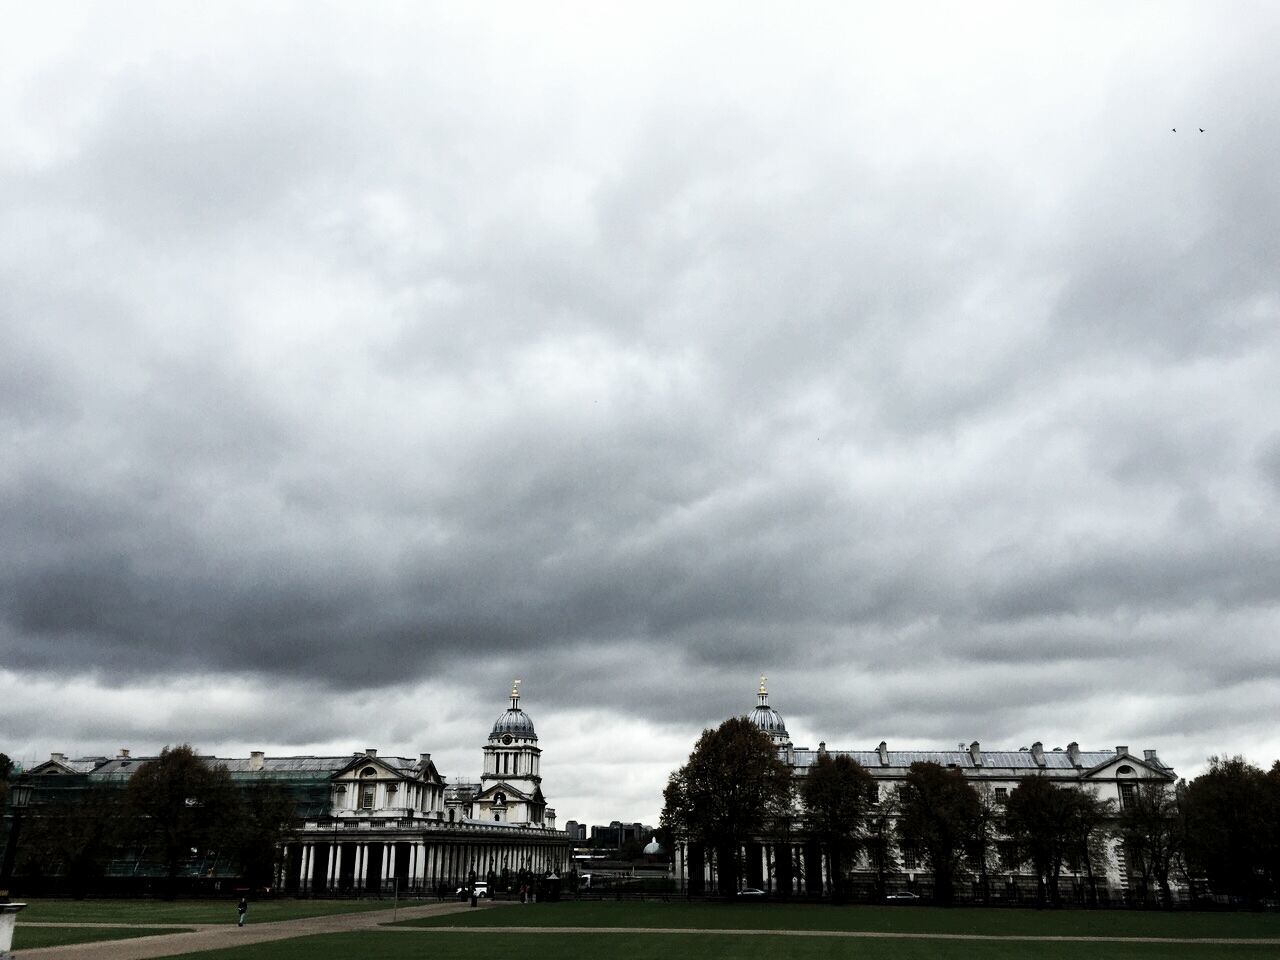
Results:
215 936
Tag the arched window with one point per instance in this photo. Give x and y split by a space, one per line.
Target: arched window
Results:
1124 771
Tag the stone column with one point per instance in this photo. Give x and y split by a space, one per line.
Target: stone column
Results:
304 869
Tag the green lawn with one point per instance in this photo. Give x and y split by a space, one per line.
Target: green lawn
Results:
903 919
191 911
29 938
374 945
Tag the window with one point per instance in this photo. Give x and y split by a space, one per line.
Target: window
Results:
909 859
1002 794
366 797
1008 851
1128 794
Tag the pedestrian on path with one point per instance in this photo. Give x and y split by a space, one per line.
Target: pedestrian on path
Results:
242 908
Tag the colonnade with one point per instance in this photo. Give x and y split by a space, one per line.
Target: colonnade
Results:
374 865
782 869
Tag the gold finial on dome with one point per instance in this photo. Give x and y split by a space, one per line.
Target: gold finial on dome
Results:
763 687
515 694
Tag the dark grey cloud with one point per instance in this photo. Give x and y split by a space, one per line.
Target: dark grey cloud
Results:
372 359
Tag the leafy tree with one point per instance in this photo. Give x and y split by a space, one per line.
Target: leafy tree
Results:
179 804
1227 823
265 817
879 840
980 844
1271 841
73 836
938 810
1039 818
837 794
6 770
1149 824
733 789
1090 826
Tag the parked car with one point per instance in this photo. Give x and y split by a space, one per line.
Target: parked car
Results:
751 892
482 891
902 895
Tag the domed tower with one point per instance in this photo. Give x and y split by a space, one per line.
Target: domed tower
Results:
510 787
769 720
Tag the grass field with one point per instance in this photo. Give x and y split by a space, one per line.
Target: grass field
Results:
659 946
904 919
29 938
190 911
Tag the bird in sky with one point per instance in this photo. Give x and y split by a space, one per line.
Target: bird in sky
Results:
1175 129
1202 129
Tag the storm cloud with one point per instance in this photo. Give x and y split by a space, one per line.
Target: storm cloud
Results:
354 364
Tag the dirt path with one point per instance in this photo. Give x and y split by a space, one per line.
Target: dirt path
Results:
215 936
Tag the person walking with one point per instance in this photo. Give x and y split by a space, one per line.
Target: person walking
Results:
242 908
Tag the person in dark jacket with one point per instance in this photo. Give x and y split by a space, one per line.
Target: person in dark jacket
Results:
242 908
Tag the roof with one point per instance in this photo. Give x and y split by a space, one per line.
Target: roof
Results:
514 721
962 759
283 767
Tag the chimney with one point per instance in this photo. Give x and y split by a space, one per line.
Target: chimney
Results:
1073 753
424 758
1150 756
370 751
124 753
975 753
1037 753
1121 750
884 754
255 759
57 757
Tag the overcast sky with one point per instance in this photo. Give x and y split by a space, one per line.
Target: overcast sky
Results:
355 360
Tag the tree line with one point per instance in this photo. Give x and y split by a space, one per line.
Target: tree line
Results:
1217 834
176 811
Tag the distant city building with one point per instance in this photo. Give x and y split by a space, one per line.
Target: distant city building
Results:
617 834
369 824
798 867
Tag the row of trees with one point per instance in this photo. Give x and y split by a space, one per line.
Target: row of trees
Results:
1219 833
174 810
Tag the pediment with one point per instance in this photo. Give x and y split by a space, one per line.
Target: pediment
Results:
353 770
1110 769
50 767
512 793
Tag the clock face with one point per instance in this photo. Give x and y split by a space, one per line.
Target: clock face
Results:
506 738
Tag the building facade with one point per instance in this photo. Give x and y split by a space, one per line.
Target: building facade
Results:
798 868
371 824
